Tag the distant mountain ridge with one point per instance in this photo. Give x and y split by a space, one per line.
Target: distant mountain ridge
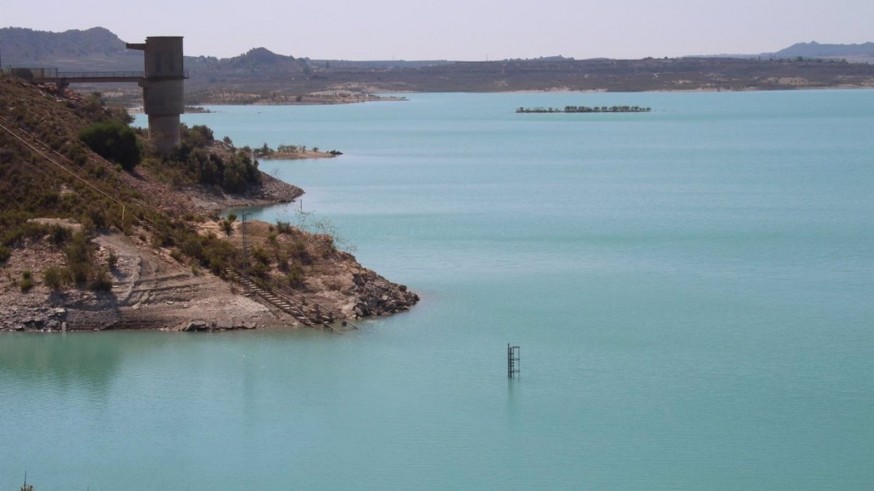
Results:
31 44
263 76
74 48
97 48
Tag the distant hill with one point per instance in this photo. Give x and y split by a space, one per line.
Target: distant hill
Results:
92 49
260 61
260 75
858 53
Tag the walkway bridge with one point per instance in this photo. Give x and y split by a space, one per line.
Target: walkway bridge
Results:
162 81
53 75
89 77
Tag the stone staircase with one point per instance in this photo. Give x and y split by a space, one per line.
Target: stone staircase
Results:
307 313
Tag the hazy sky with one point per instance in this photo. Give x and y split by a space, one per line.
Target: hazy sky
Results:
462 29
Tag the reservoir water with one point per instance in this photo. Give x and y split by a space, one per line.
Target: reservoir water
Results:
691 290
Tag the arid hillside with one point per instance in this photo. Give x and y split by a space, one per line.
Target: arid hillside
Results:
98 231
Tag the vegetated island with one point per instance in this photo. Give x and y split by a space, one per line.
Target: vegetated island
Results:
294 152
99 231
585 109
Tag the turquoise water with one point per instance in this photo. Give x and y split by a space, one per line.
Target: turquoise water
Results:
691 289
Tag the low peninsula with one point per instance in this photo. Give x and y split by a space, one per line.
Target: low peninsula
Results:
294 152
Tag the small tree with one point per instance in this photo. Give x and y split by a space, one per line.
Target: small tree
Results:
113 141
228 224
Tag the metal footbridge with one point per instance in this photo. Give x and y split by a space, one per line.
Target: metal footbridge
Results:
53 75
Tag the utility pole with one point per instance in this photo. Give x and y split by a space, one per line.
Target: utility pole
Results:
245 246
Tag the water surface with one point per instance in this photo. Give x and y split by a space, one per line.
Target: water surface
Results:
691 290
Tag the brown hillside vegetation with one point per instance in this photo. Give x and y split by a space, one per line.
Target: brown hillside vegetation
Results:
87 244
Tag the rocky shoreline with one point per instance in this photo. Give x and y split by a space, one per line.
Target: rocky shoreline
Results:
153 289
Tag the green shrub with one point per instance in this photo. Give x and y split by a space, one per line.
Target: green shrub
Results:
260 256
53 277
218 255
282 263
58 234
283 227
26 281
77 251
298 250
79 267
192 247
295 276
163 237
78 273
4 254
227 227
12 237
113 141
241 172
67 277
198 136
194 161
101 281
234 179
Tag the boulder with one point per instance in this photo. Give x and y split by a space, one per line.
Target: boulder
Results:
195 326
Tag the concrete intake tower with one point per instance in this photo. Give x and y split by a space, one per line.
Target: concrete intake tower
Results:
163 88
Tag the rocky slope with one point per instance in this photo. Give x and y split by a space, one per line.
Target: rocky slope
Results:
159 254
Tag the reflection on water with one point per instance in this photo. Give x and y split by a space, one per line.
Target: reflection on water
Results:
83 358
691 290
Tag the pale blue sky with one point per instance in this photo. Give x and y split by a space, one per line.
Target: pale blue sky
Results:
462 29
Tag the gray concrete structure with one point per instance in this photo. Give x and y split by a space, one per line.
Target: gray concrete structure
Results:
162 82
163 88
